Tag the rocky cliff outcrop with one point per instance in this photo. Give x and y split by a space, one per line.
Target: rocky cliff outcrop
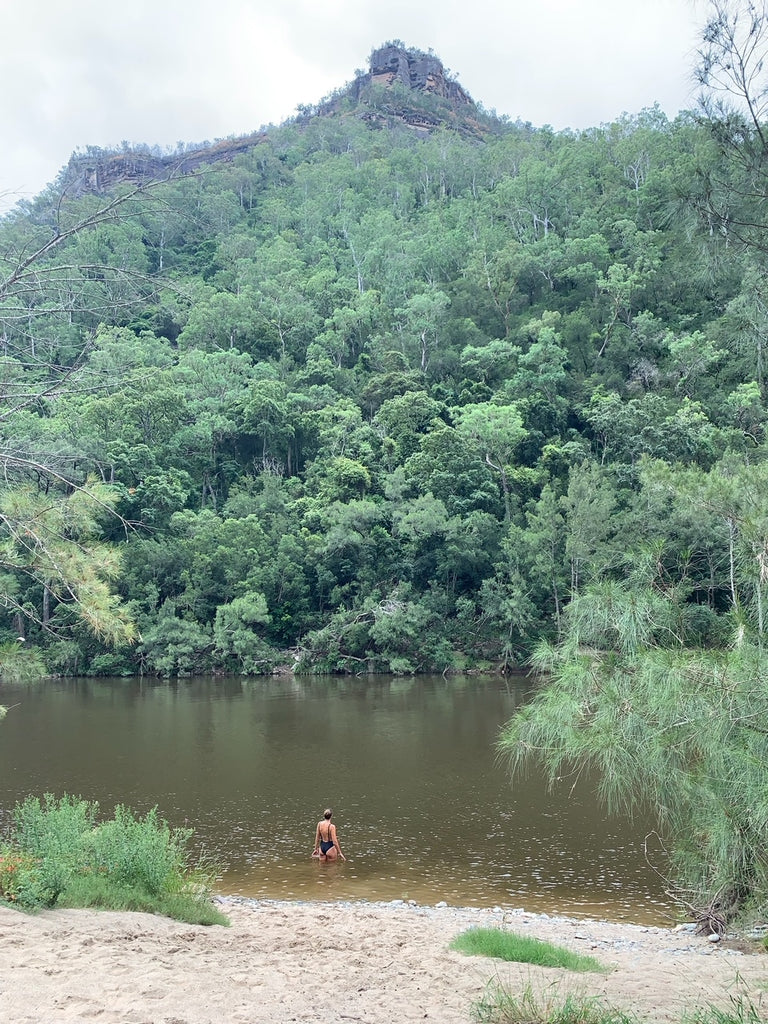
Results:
403 86
410 87
101 171
422 72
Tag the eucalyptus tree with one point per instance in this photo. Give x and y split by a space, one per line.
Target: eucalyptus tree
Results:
493 433
541 380
445 467
404 419
269 415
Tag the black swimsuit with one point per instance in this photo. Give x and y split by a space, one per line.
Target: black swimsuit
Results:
326 844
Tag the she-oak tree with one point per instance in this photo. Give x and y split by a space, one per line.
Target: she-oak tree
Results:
51 516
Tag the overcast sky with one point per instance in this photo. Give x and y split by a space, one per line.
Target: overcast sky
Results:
98 72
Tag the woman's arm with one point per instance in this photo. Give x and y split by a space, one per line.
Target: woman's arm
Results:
335 839
317 838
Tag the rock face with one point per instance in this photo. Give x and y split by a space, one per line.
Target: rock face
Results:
422 72
423 98
102 172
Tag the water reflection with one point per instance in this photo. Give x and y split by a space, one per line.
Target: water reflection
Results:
423 808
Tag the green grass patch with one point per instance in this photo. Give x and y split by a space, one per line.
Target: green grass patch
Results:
61 854
101 893
740 1010
523 949
499 1006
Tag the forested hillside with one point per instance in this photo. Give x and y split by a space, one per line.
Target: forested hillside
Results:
384 390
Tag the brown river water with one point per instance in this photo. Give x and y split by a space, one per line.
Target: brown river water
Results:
424 808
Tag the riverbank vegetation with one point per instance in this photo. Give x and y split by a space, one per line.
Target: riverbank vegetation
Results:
525 949
60 854
501 1006
370 398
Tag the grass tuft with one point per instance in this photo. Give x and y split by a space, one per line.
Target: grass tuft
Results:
741 1010
498 1006
100 893
523 949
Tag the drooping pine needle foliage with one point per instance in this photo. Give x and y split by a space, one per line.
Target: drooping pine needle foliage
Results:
53 541
682 730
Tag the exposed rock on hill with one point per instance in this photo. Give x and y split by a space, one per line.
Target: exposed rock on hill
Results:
101 171
422 72
410 87
403 86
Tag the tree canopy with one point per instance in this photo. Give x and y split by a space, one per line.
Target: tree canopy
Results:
368 398
357 370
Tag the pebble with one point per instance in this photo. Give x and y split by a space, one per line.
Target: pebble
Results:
523 917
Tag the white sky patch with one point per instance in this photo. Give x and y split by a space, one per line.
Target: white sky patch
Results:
166 71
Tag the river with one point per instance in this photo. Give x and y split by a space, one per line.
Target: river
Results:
425 810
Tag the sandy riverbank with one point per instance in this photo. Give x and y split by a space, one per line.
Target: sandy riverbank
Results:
303 962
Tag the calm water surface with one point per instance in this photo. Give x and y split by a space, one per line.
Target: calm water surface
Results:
423 808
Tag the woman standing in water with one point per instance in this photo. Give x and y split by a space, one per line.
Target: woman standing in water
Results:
326 841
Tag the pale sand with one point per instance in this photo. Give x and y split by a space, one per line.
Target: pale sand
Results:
309 962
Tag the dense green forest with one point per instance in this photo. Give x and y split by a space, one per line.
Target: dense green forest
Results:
369 399
367 396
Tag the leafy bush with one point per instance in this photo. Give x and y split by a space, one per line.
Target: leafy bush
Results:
18 872
52 832
60 856
522 949
51 827
138 852
111 664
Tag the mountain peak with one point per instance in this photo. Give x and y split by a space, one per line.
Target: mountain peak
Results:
403 86
422 72
408 86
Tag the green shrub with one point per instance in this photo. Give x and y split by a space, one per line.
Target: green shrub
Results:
139 852
521 948
51 827
24 881
59 855
52 831
17 870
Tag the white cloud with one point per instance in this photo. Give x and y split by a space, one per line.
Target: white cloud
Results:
163 71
